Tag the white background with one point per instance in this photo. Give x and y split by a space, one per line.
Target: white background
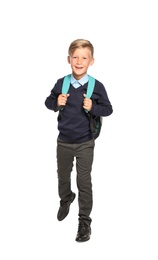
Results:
35 36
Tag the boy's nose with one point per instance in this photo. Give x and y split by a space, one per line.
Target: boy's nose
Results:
79 60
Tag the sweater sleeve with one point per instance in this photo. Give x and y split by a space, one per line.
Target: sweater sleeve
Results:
51 100
101 105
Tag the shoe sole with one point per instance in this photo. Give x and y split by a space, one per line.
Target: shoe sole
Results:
82 240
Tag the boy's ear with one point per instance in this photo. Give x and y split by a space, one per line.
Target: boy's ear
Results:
68 59
92 62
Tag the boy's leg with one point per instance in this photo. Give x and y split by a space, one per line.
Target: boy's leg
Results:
64 168
65 164
84 160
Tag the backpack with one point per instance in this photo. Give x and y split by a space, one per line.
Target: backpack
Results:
95 121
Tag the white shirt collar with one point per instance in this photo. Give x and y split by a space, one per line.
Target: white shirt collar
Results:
81 81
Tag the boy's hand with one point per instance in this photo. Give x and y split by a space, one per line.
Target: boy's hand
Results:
62 99
87 103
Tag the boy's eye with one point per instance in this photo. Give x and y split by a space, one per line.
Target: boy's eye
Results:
75 57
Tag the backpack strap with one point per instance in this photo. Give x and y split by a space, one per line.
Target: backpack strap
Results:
90 88
66 84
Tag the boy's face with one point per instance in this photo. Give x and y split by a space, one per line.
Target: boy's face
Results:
80 60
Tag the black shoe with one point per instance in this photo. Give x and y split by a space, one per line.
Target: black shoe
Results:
64 207
84 232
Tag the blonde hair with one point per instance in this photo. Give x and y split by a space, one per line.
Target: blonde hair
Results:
80 43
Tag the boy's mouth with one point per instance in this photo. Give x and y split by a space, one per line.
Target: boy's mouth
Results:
78 67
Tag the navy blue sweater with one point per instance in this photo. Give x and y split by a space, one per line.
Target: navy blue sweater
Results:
73 122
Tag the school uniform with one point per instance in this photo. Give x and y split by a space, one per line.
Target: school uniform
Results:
75 139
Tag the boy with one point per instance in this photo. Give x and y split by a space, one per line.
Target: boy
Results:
75 139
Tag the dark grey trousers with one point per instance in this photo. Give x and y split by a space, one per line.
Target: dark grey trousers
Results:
83 153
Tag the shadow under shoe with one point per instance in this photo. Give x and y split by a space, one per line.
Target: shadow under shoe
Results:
64 207
84 232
